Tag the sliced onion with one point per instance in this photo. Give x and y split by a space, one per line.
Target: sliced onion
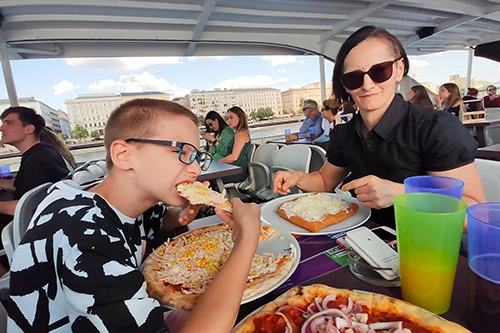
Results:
349 305
288 325
361 325
349 330
387 326
361 317
287 330
310 308
342 323
328 312
317 301
329 298
356 309
330 328
284 307
317 323
362 330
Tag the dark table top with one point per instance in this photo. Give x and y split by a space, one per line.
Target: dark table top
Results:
323 145
490 152
343 278
219 170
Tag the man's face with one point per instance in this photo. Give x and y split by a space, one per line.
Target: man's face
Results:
491 91
13 130
157 168
307 110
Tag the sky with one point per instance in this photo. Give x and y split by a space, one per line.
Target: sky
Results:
53 81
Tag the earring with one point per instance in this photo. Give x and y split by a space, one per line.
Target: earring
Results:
398 87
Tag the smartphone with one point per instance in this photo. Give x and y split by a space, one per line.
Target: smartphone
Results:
387 234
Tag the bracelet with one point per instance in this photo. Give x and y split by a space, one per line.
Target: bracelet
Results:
214 142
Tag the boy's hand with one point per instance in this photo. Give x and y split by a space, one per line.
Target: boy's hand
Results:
245 222
188 214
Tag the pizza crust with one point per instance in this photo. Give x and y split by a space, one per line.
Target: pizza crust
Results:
327 221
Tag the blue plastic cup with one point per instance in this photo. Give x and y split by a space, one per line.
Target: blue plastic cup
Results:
484 266
288 131
312 130
435 184
5 171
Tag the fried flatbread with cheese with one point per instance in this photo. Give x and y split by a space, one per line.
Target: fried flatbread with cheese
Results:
199 194
314 212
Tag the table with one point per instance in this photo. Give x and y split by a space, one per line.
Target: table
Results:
323 145
217 170
490 152
480 129
343 278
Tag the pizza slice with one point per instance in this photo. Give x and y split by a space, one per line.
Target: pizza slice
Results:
198 193
267 232
314 212
319 308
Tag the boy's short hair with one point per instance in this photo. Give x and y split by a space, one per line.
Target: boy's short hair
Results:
139 118
27 116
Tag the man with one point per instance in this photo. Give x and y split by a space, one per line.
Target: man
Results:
78 266
491 100
313 119
21 127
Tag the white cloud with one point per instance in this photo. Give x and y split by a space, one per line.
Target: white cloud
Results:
132 63
137 83
419 63
244 82
63 87
279 60
281 70
208 58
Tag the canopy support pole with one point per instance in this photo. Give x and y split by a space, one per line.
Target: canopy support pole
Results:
469 70
322 77
7 74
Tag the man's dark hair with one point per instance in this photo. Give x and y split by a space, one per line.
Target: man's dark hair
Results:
27 116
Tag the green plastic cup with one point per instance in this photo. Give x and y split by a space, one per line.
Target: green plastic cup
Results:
429 230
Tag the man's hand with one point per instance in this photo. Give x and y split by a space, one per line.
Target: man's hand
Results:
245 221
439 101
291 137
374 192
284 180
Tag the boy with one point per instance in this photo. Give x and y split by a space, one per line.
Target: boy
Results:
77 268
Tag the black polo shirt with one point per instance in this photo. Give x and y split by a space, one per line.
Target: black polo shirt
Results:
409 140
40 164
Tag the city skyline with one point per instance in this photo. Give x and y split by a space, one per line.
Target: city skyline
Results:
54 81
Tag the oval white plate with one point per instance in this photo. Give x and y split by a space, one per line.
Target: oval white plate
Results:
269 215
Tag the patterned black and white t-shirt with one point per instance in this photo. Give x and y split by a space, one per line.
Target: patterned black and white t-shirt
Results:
77 267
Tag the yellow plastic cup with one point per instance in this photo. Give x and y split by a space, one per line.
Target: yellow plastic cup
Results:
429 230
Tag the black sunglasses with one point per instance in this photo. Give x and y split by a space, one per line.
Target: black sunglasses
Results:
187 152
378 73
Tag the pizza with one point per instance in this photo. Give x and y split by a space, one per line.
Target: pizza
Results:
180 270
314 212
200 194
319 308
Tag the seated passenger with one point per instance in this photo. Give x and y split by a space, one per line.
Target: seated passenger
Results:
448 99
221 135
40 163
329 110
348 111
389 139
418 95
313 119
49 137
491 100
239 145
78 266
472 95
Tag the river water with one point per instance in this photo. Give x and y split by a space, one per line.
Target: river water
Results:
259 135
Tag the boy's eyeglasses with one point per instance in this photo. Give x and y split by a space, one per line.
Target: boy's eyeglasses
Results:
378 73
187 152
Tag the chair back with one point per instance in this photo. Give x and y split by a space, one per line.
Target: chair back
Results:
251 151
489 171
266 154
25 209
96 170
318 158
294 157
83 176
103 166
8 240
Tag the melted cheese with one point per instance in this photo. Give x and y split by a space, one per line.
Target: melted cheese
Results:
314 207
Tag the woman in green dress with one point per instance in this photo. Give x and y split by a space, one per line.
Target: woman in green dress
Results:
222 134
239 145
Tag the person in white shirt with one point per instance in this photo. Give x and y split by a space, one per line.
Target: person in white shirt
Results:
329 110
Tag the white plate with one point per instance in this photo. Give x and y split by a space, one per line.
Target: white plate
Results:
282 243
269 215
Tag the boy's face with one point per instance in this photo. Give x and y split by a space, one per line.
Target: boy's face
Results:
157 168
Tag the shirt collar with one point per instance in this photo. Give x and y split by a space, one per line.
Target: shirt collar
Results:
390 121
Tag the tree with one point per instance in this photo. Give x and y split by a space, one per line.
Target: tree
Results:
63 136
262 113
79 132
95 135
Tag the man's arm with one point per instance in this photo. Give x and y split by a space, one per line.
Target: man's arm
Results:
7 184
8 207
